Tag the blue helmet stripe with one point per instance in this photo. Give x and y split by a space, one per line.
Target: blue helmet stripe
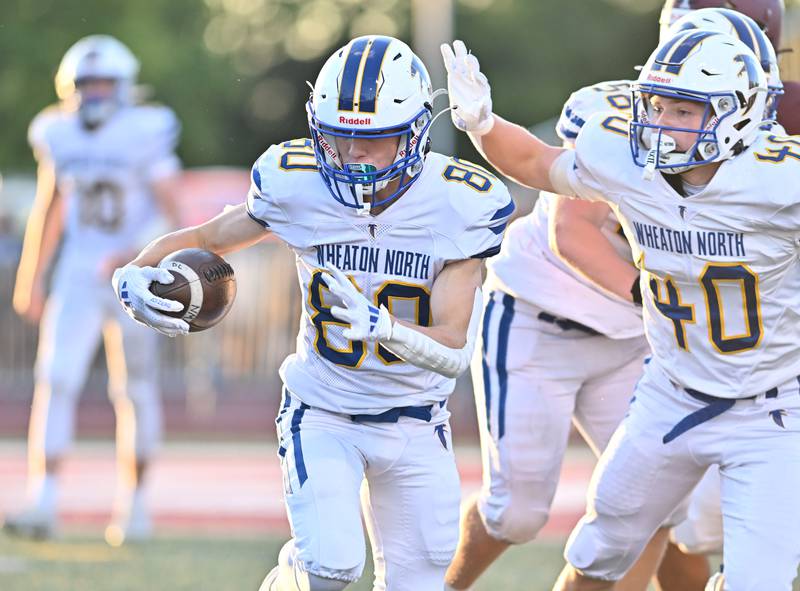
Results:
749 37
760 38
662 55
674 62
372 70
751 67
352 65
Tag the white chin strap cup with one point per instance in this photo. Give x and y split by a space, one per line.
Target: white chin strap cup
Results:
666 144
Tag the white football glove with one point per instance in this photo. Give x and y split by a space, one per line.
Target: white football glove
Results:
367 322
132 286
468 88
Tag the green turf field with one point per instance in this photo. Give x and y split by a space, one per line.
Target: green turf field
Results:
207 564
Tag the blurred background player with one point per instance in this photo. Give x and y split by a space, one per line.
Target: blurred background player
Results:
107 173
389 240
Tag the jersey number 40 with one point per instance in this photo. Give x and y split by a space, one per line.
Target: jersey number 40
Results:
679 312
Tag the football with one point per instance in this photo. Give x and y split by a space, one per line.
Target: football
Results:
204 284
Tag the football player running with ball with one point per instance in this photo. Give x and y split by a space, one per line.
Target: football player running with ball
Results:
106 185
389 240
707 199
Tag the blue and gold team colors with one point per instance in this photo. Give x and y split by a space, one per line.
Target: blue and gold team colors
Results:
719 267
455 211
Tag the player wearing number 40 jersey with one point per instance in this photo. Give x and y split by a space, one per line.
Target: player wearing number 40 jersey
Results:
389 240
105 187
709 202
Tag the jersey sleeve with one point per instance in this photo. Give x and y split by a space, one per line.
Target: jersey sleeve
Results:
587 172
262 200
484 208
163 130
585 102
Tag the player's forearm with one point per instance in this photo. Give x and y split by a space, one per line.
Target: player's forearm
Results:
420 346
585 249
454 337
152 254
42 236
516 153
230 231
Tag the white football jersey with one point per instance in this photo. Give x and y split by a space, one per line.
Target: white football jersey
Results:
104 175
721 274
527 267
454 211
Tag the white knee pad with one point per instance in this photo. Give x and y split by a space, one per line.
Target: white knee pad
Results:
516 519
292 576
599 557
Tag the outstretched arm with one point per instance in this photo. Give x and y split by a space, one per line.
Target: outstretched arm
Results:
510 148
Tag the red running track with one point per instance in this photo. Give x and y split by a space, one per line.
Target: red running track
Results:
228 487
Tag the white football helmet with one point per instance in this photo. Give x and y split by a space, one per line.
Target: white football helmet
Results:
767 13
96 57
373 86
741 26
711 68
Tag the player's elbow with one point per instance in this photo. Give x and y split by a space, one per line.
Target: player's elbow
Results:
454 339
456 365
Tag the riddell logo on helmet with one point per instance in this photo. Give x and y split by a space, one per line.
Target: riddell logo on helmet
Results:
655 78
355 120
333 154
411 145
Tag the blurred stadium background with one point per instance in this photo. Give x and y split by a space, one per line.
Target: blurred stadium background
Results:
235 72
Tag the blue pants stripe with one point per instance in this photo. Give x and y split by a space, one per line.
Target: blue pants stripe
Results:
299 462
487 383
502 353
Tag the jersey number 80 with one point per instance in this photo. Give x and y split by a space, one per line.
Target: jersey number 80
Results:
353 354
